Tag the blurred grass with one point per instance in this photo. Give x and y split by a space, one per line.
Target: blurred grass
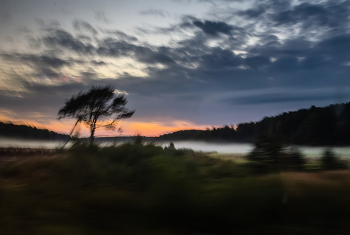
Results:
144 189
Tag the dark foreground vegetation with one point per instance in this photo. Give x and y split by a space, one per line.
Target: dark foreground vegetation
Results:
314 126
27 152
145 189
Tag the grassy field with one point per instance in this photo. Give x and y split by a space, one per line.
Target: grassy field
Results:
143 189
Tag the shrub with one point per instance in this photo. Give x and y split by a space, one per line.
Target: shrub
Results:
269 154
295 160
138 139
330 161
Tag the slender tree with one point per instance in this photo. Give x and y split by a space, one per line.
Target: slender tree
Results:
100 107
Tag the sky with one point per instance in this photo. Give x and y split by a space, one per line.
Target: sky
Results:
183 64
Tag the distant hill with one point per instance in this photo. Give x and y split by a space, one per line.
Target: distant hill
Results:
11 130
314 126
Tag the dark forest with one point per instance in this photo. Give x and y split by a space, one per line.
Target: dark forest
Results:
316 126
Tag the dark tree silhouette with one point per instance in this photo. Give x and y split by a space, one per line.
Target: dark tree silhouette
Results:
24 131
316 126
268 152
330 161
98 107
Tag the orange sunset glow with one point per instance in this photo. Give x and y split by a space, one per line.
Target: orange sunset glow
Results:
129 128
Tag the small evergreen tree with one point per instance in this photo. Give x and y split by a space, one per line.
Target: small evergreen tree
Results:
295 159
330 161
268 152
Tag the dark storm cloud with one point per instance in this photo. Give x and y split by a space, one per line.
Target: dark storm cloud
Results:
208 28
336 45
84 37
253 13
329 14
121 35
83 25
37 60
215 63
195 51
219 58
116 48
197 73
42 64
214 28
298 55
63 39
257 61
297 47
110 47
212 63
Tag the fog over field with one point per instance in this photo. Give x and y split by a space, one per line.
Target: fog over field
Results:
20 143
225 148
245 148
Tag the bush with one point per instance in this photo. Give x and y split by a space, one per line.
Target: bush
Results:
131 154
330 161
268 150
295 160
269 154
138 139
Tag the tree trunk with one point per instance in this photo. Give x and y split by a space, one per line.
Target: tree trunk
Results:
92 135
70 134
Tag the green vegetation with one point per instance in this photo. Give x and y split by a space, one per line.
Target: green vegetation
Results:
145 189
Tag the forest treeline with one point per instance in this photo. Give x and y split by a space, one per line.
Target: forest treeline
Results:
11 130
314 126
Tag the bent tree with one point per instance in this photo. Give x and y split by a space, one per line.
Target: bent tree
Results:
100 107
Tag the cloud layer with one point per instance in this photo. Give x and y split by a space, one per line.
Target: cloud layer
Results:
209 70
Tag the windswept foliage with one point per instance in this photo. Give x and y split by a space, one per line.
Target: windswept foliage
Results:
98 107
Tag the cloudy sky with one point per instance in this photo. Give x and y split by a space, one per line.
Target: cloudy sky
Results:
183 63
